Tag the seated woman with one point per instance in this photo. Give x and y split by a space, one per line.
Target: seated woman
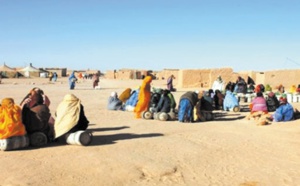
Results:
298 89
203 109
46 100
251 88
284 112
11 125
70 116
293 89
281 89
35 116
125 95
114 103
258 107
164 103
259 104
218 99
230 102
272 102
132 100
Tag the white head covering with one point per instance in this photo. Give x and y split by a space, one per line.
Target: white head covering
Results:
113 94
67 115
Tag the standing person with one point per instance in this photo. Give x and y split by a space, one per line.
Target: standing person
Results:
170 83
54 77
50 76
72 80
144 97
218 84
95 80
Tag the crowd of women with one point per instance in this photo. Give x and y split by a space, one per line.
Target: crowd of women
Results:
32 121
197 106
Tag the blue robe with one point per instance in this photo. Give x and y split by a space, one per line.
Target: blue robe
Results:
230 101
72 80
284 113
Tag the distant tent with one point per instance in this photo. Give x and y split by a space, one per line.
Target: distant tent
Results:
30 71
7 71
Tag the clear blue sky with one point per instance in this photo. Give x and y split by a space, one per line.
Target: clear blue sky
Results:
151 34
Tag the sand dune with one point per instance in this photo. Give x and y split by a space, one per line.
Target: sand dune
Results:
128 151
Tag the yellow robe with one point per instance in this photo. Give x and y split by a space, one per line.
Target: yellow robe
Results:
125 95
10 119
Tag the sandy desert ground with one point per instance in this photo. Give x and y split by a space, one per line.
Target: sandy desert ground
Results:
128 151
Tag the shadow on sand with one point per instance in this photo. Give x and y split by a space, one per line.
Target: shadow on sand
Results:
105 129
111 139
227 116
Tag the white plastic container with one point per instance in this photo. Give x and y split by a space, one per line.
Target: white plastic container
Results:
16 142
163 116
147 115
295 98
80 137
249 98
289 97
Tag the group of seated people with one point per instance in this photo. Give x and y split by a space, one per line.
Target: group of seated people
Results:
198 106
260 109
32 118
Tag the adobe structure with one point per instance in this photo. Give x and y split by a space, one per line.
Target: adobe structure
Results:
126 74
204 78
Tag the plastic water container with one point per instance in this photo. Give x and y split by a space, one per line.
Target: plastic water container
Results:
172 115
16 142
155 115
249 98
80 137
236 109
289 97
295 98
147 115
163 116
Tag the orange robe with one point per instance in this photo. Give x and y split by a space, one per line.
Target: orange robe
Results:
10 119
144 97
